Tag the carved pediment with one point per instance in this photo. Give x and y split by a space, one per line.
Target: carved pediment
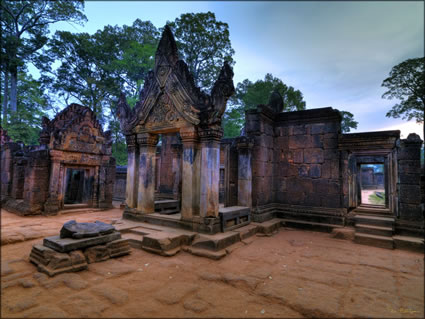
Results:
171 86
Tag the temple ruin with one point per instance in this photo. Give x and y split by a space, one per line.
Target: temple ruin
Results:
71 168
295 166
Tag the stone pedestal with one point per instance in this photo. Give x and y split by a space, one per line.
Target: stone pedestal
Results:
244 146
190 173
210 171
132 172
146 190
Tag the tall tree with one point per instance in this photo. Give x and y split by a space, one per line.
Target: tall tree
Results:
204 44
94 69
25 25
407 84
32 104
250 94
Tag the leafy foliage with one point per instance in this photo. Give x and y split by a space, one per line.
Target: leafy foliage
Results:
348 121
407 84
250 94
25 26
204 44
24 124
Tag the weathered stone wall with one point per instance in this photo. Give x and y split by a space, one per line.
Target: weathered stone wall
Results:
295 157
409 172
259 126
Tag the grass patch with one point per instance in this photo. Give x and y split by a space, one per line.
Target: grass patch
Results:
376 200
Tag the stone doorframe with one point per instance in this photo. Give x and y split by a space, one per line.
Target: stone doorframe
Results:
89 172
387 158
200 165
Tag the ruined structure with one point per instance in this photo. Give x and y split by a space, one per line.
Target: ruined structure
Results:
71 166
171 103
295 166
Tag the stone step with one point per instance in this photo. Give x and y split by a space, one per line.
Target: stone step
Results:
75 206
372 210
374 230
202 252
328 228
216 242
268 227
166 243
409 243
78 210
374 220
374 240
134 240
310 217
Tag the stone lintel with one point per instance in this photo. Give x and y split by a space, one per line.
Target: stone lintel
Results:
68 244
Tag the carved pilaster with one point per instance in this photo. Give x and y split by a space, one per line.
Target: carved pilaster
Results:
131 142
147 140
211 134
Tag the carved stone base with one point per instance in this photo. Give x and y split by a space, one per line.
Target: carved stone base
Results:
52 262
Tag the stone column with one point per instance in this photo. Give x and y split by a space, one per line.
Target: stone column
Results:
244 146
190 173
176 169
146 188
210 171
54 202
132 172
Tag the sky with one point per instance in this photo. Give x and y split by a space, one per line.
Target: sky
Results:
336 53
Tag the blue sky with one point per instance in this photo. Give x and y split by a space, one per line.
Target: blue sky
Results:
336 53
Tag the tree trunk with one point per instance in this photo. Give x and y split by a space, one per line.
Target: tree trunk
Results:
14 90
5 95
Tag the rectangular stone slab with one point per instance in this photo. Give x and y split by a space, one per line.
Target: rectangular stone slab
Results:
69 244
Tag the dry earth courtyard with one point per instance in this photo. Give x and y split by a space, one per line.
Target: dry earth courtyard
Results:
291 274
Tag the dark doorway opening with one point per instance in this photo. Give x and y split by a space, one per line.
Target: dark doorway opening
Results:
74 186
372 184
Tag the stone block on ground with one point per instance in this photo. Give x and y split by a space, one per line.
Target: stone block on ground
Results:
269 227
96 254
64 245
53 263
165 243
118 248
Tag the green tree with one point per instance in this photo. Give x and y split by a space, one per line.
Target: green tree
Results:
347 122
204 44
94 69
250 94
25 124
25 26
407 84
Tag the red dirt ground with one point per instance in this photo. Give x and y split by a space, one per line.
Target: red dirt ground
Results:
293 274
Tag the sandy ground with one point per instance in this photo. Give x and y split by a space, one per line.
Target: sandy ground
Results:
367 192
292 274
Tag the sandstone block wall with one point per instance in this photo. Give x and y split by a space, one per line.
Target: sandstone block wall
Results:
295 157
409 174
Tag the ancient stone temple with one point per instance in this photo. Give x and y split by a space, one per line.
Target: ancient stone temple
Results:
171 104
72 166
296 167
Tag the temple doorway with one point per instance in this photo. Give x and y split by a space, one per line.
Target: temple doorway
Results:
74 192
372 184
